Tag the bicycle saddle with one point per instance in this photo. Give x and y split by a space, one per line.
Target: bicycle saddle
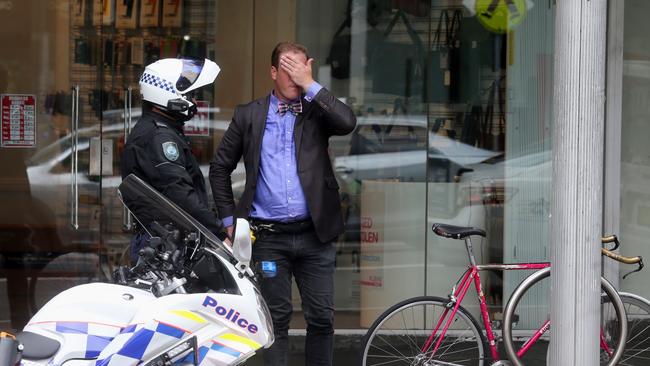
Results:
456 232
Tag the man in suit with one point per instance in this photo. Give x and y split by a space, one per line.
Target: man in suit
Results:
291 195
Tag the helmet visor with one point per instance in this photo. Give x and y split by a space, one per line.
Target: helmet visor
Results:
191 71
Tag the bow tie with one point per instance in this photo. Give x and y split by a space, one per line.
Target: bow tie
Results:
294 108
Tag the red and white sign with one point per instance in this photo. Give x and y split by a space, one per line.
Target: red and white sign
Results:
18 120
198 126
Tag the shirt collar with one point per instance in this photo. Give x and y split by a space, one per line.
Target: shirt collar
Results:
273 103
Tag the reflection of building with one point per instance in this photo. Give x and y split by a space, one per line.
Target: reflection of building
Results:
453 127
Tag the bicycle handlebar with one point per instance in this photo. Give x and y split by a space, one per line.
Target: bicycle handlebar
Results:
611 239
627 260
620 258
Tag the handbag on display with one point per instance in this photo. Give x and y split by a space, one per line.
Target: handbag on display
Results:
443 60
82 51
471 131
339 56
489 139
397 68
477 51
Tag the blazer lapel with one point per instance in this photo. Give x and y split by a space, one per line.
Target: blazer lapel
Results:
298 127
259 123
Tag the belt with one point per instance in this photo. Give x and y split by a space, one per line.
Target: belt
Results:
295 227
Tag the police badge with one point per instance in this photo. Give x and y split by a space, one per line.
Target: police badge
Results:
170 150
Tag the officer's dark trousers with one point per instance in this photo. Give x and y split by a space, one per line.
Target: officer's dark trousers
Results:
279 256
138 241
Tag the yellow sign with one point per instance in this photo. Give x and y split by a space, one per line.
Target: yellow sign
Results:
500 16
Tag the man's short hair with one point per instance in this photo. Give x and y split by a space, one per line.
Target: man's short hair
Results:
283 47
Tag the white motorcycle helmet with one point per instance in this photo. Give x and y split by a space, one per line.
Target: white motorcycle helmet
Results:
166 83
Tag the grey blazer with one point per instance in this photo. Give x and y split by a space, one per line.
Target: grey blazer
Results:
321 118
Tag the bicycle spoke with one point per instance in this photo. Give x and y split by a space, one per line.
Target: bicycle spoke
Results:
460 350
398 336
636 355
458 339
413 345
638 334
389 344
389 362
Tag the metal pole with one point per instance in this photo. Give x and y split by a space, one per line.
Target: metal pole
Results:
576 206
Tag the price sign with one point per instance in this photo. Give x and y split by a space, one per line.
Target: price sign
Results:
18 120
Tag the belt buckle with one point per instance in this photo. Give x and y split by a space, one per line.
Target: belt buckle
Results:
267 227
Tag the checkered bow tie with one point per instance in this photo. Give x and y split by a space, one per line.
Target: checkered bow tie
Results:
295 107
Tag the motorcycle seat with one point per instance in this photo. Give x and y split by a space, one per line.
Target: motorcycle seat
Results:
36 346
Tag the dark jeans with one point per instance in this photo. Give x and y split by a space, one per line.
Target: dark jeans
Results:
278 257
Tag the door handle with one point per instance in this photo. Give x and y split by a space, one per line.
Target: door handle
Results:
127 219
74 167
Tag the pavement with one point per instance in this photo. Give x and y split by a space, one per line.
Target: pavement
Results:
346 352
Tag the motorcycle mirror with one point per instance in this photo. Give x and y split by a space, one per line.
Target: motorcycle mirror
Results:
242 246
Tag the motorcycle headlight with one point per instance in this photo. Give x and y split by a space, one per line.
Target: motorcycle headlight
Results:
264 313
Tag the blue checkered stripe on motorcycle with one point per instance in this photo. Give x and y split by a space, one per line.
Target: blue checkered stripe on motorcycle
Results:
157 82
128 346
133 342
95 337
214 351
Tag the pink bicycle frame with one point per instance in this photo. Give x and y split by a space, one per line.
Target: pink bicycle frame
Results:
472 274
459 294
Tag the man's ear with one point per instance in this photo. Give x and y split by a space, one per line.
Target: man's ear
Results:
274 72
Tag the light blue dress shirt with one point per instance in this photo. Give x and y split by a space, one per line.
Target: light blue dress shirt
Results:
279 195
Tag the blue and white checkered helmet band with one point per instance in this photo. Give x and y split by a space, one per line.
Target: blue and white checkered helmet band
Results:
157 82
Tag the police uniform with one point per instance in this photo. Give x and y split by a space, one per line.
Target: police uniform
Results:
159 153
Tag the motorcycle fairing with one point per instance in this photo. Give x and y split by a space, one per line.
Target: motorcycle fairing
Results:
173 318
85 319
116 325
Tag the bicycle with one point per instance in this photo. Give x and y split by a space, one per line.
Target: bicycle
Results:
635 307
428 330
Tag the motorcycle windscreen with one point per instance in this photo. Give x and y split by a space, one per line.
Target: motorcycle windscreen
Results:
148 205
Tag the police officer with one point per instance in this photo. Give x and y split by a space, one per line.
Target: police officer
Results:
158 152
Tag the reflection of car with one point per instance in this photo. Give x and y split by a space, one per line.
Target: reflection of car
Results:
445 154
50 177
403 149
507 177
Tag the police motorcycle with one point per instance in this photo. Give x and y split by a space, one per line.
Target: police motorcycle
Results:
189 300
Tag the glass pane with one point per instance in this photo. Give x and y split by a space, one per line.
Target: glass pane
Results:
454 120
635 152
489 146
375 60
200 29
50 225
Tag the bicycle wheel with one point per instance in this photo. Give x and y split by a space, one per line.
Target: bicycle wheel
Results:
637 346
399 334
528 309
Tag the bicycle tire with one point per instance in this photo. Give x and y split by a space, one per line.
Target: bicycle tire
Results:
618 332
637 346
384 344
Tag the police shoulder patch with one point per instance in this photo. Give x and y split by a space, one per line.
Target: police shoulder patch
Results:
170 149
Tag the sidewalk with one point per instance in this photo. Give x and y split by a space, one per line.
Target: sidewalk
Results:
346 351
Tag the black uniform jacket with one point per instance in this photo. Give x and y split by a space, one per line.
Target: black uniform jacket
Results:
321 118
158 152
